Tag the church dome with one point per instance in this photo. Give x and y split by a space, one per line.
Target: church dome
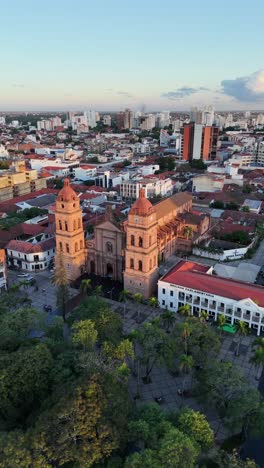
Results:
142 206
67 193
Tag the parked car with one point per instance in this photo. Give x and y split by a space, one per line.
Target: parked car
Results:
29 279
22 275
47 308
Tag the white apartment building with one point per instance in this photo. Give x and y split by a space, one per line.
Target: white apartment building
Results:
84 172
29 255
153 187
107 120
63 168
193 284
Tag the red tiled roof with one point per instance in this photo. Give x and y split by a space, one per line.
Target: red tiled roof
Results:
28 247
193 275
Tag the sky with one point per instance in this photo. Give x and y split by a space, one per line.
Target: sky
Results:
114 54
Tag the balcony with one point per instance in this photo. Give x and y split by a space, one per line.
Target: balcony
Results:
196 301
246 316
212 305
204 303
229 311
220 309
255 318
238 314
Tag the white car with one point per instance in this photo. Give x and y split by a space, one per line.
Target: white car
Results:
22 275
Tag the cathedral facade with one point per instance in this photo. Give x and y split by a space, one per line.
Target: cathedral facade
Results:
129 252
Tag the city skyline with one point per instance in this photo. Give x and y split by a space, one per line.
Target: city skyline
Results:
114 56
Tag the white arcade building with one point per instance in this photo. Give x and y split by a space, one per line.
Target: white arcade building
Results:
194 284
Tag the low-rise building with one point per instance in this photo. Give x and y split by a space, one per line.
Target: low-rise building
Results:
194 284
3 270
31 255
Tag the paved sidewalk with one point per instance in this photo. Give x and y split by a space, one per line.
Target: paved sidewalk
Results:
165 385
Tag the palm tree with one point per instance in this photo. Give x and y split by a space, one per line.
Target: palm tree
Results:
61 282
185 310
258 358
242 330
185 365
138 298
221 320
153 302
168 318
98 291
187 231
123 296
203 316
186 333
258 342
86 285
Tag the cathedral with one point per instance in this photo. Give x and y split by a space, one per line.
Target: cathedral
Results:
129 252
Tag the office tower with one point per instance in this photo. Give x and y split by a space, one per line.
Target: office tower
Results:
128 119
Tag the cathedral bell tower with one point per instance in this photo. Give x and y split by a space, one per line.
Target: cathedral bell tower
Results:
141 272
69 231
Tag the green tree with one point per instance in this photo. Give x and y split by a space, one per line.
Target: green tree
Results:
177 450
221 321
225 388
84 334
123 297
258 358
24 382
86 285
61 282
185 310
194 424
168 318
153 302
138 298
203 316
246 209
242 330
152 341
185 365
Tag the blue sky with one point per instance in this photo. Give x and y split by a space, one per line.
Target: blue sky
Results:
114 54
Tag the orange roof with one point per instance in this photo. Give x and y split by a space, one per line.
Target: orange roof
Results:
142 205
67 193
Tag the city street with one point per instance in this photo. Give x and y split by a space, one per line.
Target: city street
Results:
43 292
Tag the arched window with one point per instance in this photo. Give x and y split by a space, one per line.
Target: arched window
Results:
79 223
67 248
140 242
132 263
74 224
140 265
66 226
150 264
150 240
60 246
76 247
62 205
132 240
60 225
109 247
81 244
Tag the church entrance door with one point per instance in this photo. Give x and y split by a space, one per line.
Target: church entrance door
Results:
109 270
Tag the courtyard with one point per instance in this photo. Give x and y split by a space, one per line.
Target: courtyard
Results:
165 388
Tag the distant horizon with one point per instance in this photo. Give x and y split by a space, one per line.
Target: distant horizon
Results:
112 111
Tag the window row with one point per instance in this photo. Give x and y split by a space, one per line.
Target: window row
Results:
67 247
151 264
140 241
76 224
